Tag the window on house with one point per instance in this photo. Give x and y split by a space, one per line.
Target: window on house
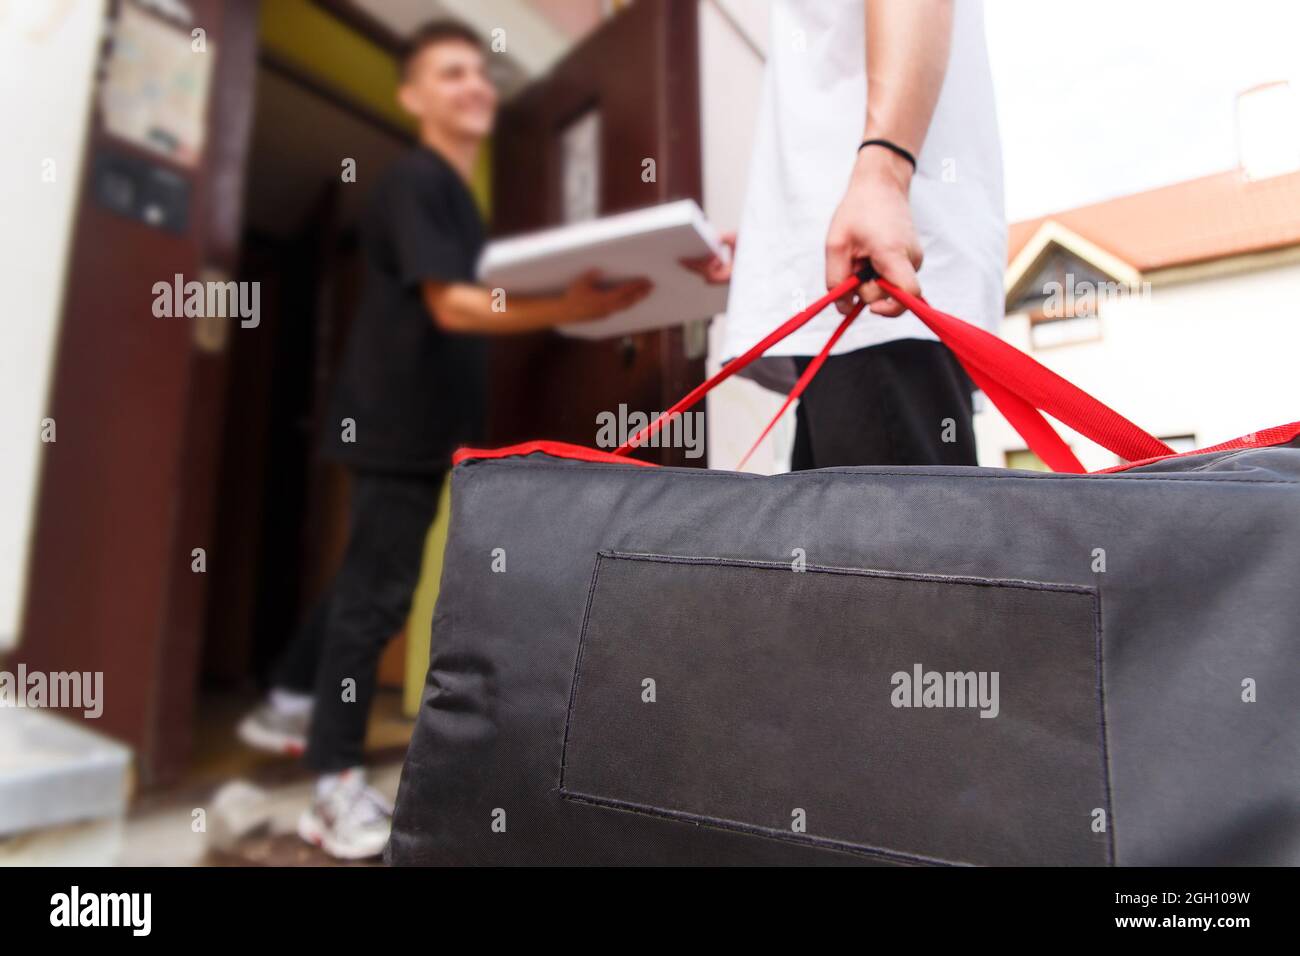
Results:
1061 301
1022 459
1068 328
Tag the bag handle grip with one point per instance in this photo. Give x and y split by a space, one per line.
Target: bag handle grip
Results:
1018 385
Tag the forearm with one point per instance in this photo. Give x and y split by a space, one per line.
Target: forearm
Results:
472 309
907 56
908 43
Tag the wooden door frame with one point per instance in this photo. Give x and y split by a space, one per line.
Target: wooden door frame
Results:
643 63
127 492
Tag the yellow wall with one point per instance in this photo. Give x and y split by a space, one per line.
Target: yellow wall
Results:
313 40
426 596
317 43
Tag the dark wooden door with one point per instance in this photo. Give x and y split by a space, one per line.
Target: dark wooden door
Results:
273 522
639 73
127 492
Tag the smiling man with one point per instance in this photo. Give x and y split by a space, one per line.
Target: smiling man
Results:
411 389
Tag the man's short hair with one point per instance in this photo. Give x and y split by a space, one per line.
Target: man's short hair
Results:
436 31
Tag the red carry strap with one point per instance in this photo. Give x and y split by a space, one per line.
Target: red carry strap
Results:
808 374
735 365
1026 419
1039 436
1020 387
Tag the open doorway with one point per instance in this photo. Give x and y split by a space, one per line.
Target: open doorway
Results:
281 517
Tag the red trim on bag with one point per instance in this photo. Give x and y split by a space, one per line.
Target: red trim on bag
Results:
556 449
1021 388
1264 438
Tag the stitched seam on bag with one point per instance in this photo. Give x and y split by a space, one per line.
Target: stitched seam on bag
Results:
721 823
1102 726
1098 629
682 816
860 849
918 576
1230 456
577 666
824 472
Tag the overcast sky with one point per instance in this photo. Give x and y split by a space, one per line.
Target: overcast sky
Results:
1098 98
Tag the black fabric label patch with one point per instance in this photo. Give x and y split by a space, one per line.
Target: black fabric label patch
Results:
913 717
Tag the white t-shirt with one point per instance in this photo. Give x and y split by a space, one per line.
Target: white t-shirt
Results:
809 127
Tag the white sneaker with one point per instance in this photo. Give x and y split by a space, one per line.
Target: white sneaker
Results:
277 728
347 819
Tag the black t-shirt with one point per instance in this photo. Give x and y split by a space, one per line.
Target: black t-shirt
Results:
414 391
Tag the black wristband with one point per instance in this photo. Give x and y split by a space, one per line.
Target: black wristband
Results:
892 147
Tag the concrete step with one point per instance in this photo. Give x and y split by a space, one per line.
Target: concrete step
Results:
56 773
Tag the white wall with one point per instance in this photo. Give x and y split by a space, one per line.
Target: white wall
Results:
47 57
1215 358
733 38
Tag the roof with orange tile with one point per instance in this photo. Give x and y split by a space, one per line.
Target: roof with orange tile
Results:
1212 217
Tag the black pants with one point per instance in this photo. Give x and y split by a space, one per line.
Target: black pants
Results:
906 402
364 607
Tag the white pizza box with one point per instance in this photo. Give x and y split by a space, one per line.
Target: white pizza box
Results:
645 242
